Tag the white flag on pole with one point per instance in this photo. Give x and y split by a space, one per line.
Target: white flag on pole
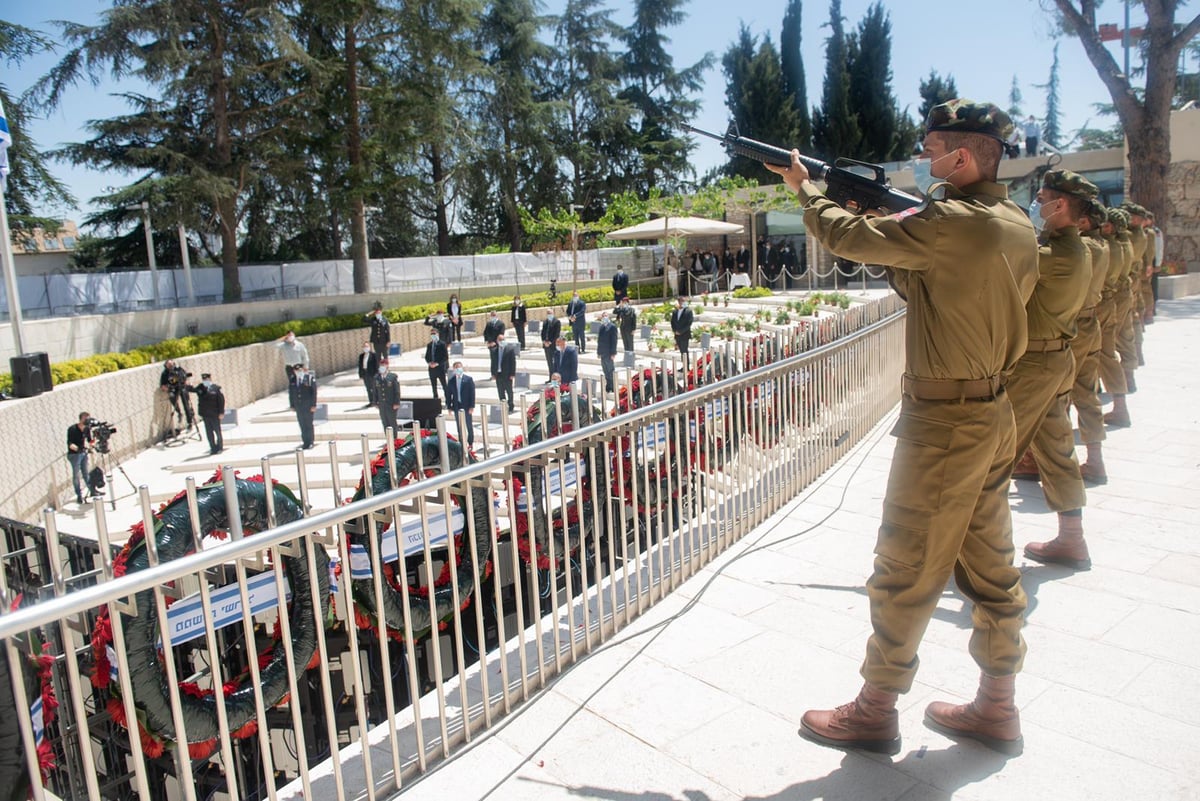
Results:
5 141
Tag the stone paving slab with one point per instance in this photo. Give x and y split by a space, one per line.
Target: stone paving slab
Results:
699 700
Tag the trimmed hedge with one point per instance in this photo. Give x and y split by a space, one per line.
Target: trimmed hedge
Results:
91 366
752 292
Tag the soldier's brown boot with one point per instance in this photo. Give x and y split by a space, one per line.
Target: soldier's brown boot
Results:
1092 471
992 718
1026 469
1119 416
869 722
1068 548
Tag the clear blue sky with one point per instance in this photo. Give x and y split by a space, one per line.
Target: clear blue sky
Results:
982 43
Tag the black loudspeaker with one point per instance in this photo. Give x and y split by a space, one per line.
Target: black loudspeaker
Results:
27 375
47 377
425 411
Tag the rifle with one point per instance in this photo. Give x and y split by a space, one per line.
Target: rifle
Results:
849 189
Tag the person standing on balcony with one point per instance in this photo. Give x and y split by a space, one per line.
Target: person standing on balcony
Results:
1033 132
966 261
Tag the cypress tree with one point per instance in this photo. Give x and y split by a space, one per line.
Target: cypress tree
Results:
792 64
835 128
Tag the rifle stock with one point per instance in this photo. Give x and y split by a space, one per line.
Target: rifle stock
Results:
849 189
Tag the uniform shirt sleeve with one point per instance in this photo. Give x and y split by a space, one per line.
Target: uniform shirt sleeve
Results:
904 240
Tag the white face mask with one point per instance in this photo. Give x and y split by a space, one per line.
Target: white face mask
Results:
206 383
1037 216
366 348
383 369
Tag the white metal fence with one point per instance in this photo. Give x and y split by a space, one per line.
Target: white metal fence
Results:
56 294
442 597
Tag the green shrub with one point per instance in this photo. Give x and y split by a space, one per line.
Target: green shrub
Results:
91 366
752 292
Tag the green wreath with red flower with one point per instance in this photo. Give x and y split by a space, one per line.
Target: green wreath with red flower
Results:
368 533
174 538
573 521
40 662
659 483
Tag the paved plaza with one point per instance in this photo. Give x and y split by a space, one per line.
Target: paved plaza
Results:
701 698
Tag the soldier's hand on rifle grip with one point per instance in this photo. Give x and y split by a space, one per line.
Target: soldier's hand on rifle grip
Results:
793 175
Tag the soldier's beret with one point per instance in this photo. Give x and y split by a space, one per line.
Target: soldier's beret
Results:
1070 183
1119 218
1097 212
1134 209
967 116
205 375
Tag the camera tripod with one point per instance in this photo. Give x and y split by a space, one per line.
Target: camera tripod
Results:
181 429
107 462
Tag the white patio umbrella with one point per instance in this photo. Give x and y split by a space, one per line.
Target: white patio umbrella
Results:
673 228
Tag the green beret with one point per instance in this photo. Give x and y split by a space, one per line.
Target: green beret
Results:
1119 218
1070 183
1097 213
966 116
1134 209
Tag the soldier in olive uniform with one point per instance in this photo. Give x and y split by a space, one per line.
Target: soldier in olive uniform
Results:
1038 386
1128 334
966 262
1114 309
1086 347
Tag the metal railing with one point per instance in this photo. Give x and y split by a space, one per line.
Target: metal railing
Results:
447 592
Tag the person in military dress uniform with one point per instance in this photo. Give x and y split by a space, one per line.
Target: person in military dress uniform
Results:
966 261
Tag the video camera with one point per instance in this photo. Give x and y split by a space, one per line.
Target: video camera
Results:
100 431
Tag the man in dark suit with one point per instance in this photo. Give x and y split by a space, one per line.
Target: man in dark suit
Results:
742 259
492 330
567 362
681 326
506 371
210 403
577 317
387 396
606 349
368 366
627 322
518 318
620 284
437 359
306 403
460 397
551 332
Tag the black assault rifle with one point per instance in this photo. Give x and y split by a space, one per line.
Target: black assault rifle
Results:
849 189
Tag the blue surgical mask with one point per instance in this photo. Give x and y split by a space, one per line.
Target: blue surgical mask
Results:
1035 217
458 371
923 173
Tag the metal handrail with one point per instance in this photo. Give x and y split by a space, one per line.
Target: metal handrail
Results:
51 610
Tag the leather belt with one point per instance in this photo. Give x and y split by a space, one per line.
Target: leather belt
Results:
1087 314
930 389
1045 345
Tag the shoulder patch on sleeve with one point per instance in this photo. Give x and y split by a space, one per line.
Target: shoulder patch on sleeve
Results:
900 215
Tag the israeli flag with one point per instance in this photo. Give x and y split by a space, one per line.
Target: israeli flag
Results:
5 141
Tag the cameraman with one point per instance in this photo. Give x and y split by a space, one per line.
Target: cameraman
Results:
173 381
79 440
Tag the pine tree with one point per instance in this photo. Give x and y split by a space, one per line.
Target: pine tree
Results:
31 185
1014 101
835 128
792 64
935 90
591 122
757 100
662 97
870 69
1052 128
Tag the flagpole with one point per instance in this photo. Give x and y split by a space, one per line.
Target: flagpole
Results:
10 277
